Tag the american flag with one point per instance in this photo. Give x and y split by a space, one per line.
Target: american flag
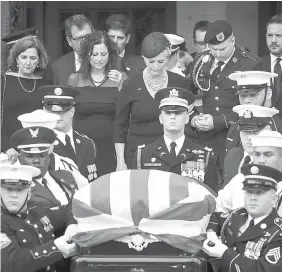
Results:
172 208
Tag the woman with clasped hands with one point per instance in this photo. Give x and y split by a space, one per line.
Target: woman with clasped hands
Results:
19 87
137 112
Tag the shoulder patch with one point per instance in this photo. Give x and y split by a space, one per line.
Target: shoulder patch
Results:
278 222
4 240
141 146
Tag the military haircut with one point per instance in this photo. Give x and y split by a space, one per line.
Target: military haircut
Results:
201 26
276 19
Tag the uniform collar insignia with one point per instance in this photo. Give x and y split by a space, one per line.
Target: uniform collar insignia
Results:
184 155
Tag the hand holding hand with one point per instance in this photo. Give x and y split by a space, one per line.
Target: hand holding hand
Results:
205 122
71 230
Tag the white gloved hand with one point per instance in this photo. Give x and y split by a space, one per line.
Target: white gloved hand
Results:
214 247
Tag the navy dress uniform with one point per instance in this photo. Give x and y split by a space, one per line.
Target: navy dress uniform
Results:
193 160
216 89
248 83
80 148
252 118
27 236
257 246
36 140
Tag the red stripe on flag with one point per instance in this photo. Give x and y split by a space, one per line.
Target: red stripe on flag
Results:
100 194
178 188
139 195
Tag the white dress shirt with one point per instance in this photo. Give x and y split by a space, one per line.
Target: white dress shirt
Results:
56 190
179 143
122 53
62 137
77 62
215 62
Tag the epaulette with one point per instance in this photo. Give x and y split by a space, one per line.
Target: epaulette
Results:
250 55
141 146
278 222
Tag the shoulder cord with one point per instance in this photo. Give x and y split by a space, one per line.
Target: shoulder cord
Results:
225 223
139 153
207 160
195 74
2 106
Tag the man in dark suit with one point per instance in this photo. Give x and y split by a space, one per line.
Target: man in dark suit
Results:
118 28
69 143
76 28
199 33
174 152
51 188
209 78
273 61
251 237
252 120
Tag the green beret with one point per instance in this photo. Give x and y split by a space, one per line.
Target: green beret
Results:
218 32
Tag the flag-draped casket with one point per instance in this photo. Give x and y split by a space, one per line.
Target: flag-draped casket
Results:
143 206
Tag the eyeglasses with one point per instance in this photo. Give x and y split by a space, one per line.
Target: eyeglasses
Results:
78 39
200 43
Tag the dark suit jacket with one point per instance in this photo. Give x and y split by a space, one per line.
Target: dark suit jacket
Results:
85 154
156 156
40 196
276 92
62 68
231 163
4 56
133 63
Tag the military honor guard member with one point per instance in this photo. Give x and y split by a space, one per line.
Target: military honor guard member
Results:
209 78
252 120
70 143
251 237
267 150
174 152
173 65
28 242
35 146
252 88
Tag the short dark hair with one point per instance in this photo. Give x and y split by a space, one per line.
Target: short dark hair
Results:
276 19
118 22
202 26
78 20
97 37
23 44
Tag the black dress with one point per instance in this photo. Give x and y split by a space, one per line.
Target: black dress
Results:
16 101
137 114
94 117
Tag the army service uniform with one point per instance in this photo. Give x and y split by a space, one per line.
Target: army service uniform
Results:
27 239
193 161
257 249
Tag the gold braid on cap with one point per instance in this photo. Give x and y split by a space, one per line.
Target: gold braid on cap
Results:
195 75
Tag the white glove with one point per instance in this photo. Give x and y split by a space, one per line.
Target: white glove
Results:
67 249
70 232
214 247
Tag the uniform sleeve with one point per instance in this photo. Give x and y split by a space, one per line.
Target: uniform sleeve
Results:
224 121
269 260
17 259
122 114
233 137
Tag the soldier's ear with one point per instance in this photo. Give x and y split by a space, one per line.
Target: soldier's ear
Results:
187 118
161 119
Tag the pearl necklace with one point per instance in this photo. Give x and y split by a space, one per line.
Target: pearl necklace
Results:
155 85
25 88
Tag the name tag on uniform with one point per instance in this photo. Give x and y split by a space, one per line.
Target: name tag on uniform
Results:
152 164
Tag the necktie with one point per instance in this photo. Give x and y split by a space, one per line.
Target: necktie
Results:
70 148
44 182
277 70
217 70
251 224
247 160
172 150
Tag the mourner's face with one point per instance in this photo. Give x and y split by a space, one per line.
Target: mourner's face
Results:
269 156
77 36
27 61
199 41
65 121
274 39
14 197
223 50
38 160
258 202
156 65
119 37
252 97
99 57
174 121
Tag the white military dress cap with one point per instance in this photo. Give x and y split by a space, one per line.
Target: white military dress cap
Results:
39 118
267 138
18 172
175 41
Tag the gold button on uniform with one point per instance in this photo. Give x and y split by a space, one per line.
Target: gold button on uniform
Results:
216 98
216 87
217 108
40 235
24 240
44 251
54 248
36 254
